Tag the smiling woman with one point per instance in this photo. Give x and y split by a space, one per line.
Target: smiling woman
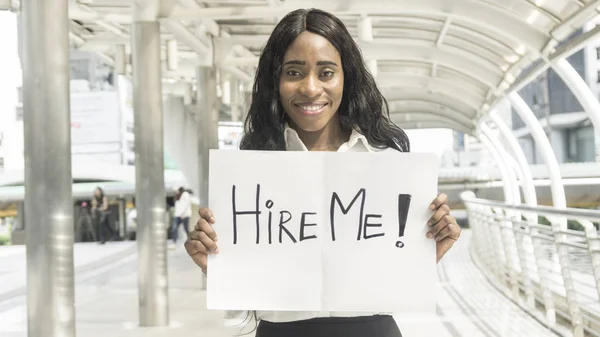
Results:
312 92
312 78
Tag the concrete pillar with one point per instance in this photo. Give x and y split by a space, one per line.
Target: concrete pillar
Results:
207 119
149 174
180 133
558 142
247 100
120 60
48 195
365 34
235 100
122 222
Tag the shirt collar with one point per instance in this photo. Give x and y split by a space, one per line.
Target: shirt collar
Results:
294 143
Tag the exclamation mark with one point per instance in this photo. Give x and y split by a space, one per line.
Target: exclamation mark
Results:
403 207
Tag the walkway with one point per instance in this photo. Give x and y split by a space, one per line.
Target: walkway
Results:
106 295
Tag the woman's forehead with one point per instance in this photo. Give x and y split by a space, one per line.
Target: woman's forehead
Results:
311 47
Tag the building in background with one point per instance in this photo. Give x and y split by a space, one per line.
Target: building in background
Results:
565 122
101 117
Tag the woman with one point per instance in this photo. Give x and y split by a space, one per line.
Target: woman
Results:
312 92
100 212
183 212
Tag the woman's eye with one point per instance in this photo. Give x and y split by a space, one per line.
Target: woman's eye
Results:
293 73
327 73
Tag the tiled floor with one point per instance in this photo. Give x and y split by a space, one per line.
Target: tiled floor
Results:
106 299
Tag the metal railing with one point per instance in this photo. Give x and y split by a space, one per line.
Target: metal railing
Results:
547 260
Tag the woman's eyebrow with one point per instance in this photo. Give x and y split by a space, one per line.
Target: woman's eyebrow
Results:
319 63
298 62
326 63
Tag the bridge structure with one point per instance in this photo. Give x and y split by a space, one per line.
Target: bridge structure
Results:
521 269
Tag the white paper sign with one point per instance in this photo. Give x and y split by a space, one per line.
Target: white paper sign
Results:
322 231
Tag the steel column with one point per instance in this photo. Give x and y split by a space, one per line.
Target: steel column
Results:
149 174
48 191
207 119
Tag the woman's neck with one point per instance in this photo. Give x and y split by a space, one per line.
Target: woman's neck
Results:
327 139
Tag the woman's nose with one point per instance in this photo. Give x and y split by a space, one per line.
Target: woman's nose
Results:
311 87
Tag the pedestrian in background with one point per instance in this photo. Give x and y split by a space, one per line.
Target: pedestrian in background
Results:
183 212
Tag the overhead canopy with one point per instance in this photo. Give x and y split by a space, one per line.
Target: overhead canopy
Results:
440 63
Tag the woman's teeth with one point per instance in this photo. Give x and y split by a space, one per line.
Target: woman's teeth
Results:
312 107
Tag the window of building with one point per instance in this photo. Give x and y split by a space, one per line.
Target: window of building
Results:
581 147
81 69
598 79
597 53
19 113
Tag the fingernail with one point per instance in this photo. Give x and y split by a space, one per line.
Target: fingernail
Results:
432 207
429 223
429 235
217 251
212 219
216 239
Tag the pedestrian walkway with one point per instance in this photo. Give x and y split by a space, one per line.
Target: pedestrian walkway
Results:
106 296
106 299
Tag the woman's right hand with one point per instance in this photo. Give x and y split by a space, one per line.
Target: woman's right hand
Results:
202 240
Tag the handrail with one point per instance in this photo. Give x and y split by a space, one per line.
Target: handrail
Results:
587 214
546 264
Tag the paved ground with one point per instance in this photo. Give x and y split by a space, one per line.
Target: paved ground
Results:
106 299
106 295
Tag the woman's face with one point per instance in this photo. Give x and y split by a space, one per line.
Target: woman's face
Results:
97 192
311 84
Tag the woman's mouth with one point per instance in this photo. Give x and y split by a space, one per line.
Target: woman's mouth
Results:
311 109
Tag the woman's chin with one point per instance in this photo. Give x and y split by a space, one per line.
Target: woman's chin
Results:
309 124
309 127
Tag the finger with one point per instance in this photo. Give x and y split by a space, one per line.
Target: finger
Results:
208 243
193 247
195 250
201 260
445 221
456 230
203 226
441 199
438 215
206 214
444 233
195 244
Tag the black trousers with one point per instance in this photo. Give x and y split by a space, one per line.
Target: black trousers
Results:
106 232
366 326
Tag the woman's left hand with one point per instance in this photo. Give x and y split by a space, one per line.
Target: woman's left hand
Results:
443 227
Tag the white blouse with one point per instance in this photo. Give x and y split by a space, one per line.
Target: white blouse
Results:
356 143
